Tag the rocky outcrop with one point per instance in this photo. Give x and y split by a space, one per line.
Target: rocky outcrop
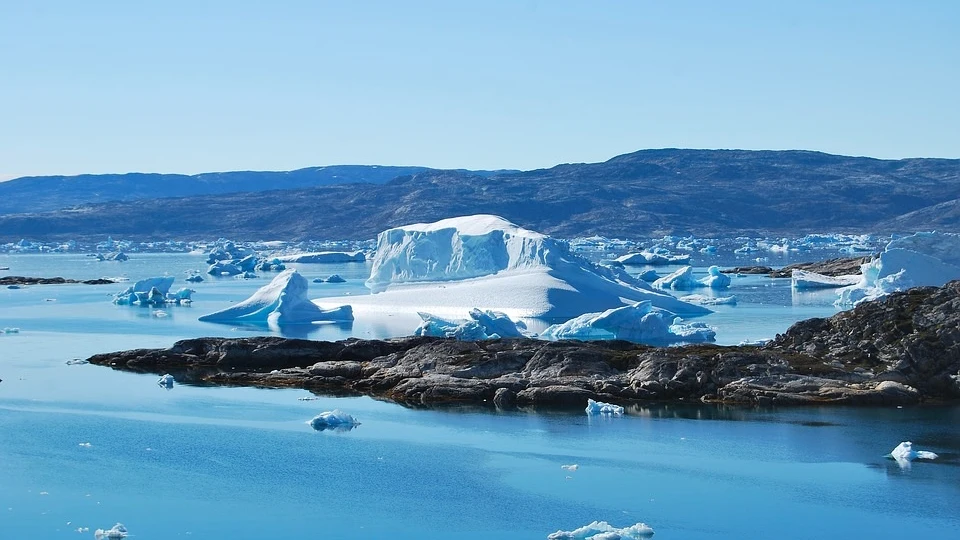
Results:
842 266
21 280
902 349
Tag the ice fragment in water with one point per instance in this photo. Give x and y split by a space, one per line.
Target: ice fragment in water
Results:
166 381
599 407
113 533
601 530
335 419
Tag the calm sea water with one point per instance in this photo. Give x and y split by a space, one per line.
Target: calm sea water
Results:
85 446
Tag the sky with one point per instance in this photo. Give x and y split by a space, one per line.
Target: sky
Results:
196 86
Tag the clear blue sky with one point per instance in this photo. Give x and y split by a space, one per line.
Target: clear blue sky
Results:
192 86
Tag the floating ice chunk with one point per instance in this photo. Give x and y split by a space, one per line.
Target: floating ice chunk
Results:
9 330
649 276
113 533
85 445
710 300
335 419
639 323
151 291
224 268
654 257
601 530
681 280
77 362
803 280
166 381
283 301
599 407
159 313
715 279
570 467
905 451
481 325
322 257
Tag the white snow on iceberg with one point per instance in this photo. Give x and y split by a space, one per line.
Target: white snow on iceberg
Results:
481 325
803 280
639 323
282 301
447 267
926 258
601 530
323 257
335 420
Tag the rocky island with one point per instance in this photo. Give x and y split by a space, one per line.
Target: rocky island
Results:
901 349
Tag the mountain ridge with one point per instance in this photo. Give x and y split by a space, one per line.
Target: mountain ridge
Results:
640 194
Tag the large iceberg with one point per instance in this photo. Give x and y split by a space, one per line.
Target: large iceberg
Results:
639 323
481 325
926 258
447 267
324 257
282 301
601 530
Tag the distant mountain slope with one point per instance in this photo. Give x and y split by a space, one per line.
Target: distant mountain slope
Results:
941 217
651 192
44 193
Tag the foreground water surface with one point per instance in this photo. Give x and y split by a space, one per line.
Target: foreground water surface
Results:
85 446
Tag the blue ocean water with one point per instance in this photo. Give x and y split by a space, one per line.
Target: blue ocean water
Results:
85 446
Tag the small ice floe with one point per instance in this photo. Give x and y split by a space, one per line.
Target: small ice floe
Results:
85 445
599 407
113 533
570 467
904 454
10 331
166 381
601 530
753 342
307 398
77 362
335 420
159 313
703 300
83 529
49 299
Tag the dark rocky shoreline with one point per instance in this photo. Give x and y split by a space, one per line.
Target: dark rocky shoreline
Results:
841 266
21 280
898 350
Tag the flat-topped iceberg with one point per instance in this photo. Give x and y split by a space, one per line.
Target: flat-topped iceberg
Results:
480 325
448 267
282 301
804 280
926 258
704 300
601 530
324 257
639 323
